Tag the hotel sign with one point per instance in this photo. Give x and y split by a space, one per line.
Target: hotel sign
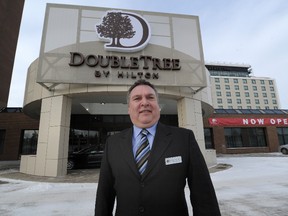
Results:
248 122
88 45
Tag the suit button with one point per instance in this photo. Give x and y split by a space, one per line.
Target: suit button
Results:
141 209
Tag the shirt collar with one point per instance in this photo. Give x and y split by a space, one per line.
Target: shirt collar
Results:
137 130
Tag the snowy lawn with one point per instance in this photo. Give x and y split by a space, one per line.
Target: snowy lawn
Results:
254 186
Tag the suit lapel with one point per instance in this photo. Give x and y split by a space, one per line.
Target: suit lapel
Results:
160 144
127 151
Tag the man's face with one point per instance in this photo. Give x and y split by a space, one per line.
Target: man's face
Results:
143 106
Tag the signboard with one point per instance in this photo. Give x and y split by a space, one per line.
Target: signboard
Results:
248 121
89 45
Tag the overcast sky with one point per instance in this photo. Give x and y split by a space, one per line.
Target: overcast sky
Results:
251 32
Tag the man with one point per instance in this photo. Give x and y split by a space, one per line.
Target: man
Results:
156 188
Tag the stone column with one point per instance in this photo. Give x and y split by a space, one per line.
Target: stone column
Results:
53 139
190 117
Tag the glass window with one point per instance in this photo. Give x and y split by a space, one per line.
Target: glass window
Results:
233 137
271 88
245 137
2 140
219 100
248 101
218 87
217 80
229 101
218 93
238 101
239 107
209 144
29 142
228 94
255 94
237 94
257 101
254 88
244 81
273 95
264 94
226 80
235 80
245 87
265 101
227 87
247 94
262 82
253 81
263 88
282 135
274 101
230 107
270 82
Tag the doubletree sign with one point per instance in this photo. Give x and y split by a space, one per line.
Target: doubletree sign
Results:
120 34
117 26
92 45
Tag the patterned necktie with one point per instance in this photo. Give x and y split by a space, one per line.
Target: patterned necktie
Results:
142 152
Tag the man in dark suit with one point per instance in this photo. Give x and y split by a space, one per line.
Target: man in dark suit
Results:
154 184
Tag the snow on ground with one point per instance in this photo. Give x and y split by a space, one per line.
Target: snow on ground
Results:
254 186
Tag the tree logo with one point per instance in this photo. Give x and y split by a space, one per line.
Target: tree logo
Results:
123 31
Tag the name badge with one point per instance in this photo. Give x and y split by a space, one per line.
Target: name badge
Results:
173 160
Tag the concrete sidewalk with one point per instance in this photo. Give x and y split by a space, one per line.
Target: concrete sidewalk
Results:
10 169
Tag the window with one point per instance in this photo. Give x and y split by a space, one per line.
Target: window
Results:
270 82
249 107
274 101
254 88
253 81
271 88
229 101
248 101
236 87
218 87
256 94
239 107
230 107
244 81
238 101
235 80
29 142
264 94
226 80
245 137
217 80
257 101
227 87
245 87
233 137
237 94
263 88
273 95
265 101
282 135
209 144
247 94
228 94
219 100
262 82
218 93
2 139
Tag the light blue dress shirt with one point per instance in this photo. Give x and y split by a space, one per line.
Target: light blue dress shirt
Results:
137 136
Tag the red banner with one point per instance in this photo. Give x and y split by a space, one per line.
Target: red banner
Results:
248 121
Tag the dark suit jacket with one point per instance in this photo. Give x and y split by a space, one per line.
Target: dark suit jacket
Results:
160 190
